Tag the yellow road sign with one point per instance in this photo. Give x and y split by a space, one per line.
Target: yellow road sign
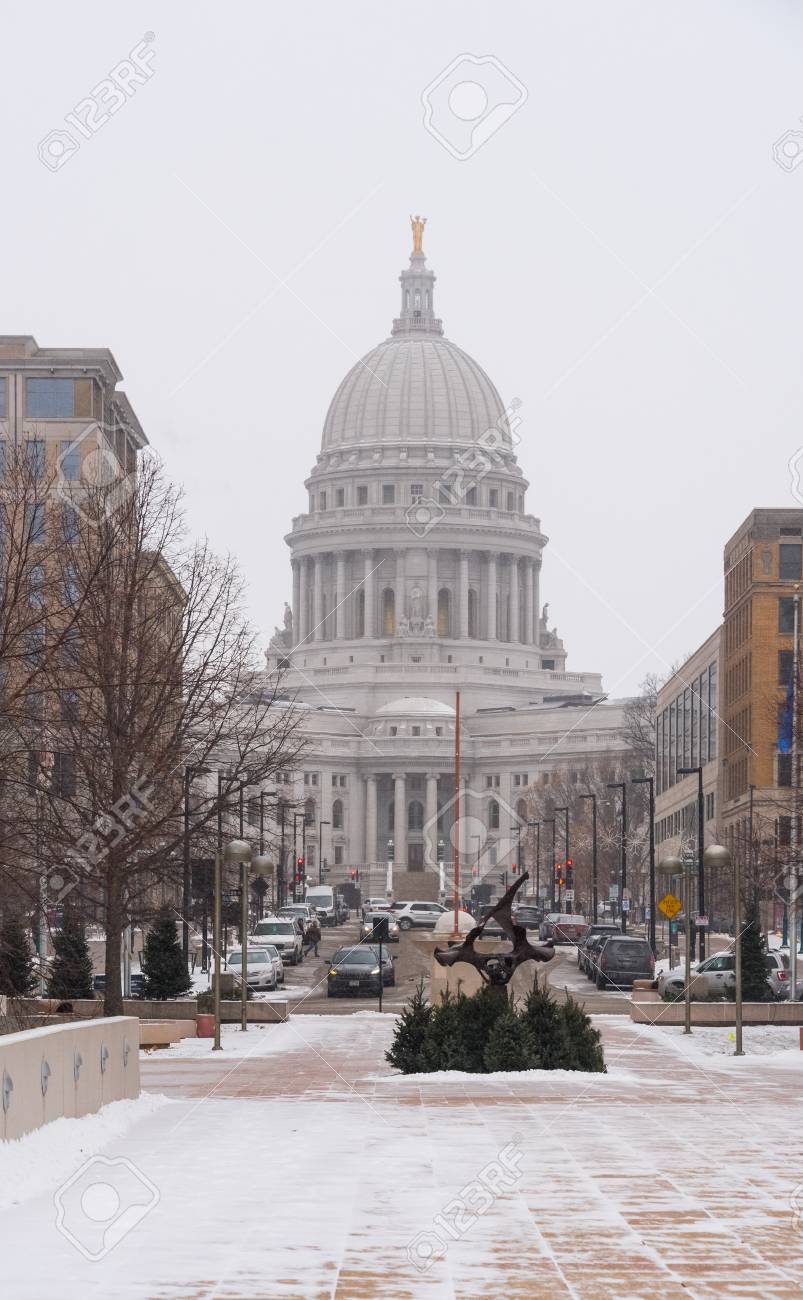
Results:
670 906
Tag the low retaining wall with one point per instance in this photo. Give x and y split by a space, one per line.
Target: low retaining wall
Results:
716 1013
173 1009
160 1033
66 1070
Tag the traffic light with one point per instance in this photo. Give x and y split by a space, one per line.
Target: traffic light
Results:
559 873
353 874
514 868
299 870
569 872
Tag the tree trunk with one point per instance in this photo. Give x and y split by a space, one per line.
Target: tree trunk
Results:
113 997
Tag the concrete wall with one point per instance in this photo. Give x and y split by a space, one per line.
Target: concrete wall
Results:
717 1013
66 1070
269 1010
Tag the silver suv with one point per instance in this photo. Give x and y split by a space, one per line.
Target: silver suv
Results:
283 933
419 915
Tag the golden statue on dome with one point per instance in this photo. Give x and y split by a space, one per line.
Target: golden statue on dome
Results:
417 223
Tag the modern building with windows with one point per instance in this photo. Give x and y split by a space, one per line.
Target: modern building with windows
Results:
686 735
416 573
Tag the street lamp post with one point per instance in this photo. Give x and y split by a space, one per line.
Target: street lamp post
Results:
698 771
620 785
321 825
537 826
517 829
238 854
389 872
650 783
716 855
594 879
565 811
441 881
550 821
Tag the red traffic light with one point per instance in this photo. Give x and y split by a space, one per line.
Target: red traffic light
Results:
514 868
569 862
300 863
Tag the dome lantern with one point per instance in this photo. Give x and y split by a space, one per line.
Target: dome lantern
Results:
417 290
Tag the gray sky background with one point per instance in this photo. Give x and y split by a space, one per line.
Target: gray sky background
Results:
624 255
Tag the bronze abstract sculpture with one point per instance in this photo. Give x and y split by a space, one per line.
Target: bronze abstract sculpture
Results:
497 968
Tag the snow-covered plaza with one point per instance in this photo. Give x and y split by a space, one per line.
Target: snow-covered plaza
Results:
297 1164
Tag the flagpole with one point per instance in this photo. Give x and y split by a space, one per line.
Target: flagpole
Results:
794 836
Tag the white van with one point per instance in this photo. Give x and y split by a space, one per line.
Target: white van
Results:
322 898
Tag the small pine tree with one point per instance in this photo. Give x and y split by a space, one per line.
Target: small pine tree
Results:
411 1031
16 959
510 1044
162 961
443 1047
548 1030
478 1015
584 1041
754 969
71 973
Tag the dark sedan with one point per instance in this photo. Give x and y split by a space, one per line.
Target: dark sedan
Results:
353 971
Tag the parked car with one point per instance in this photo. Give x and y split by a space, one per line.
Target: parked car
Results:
377 905
419 914
622 959
276 958
589 951
302 911
260 972
353 971
283 933
592 932
716 976
564 927
368 927
528 915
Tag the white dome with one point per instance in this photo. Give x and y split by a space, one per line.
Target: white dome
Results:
445 922
419 706
412 390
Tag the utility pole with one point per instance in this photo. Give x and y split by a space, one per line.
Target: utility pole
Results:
550 821
650 783
698 771
537 826
594 878
624 902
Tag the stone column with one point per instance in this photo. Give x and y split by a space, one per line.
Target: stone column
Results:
462 600
370 588
536 598
431 822
317 607
490 599
514 632
354 821
527 636
340 597
303 601
432 586
400 820
296 565
370 820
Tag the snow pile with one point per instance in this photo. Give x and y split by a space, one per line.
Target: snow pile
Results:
767 1041
43 1159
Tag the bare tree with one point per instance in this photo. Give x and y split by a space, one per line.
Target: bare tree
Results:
155 671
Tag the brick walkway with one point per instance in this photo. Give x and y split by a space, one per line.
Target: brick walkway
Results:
667 1178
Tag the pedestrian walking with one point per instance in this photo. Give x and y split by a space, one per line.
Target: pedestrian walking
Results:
313 935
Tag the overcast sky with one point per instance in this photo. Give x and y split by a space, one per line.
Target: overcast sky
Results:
624 254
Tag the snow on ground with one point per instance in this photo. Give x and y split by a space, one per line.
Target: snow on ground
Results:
766 1041
317 1031
46 1157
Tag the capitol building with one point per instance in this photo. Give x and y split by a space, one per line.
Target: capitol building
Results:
416 573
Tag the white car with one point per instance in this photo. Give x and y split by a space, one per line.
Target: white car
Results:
261 972
716 976
420 914
282 932
276 958
302 911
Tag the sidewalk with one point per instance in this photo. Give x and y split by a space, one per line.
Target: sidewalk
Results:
306 1169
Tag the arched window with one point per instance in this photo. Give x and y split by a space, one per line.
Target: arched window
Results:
444 612
388 612
418 300
428 300
521 810
473 613
407 299
337 815
415 816
493 815
359 614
